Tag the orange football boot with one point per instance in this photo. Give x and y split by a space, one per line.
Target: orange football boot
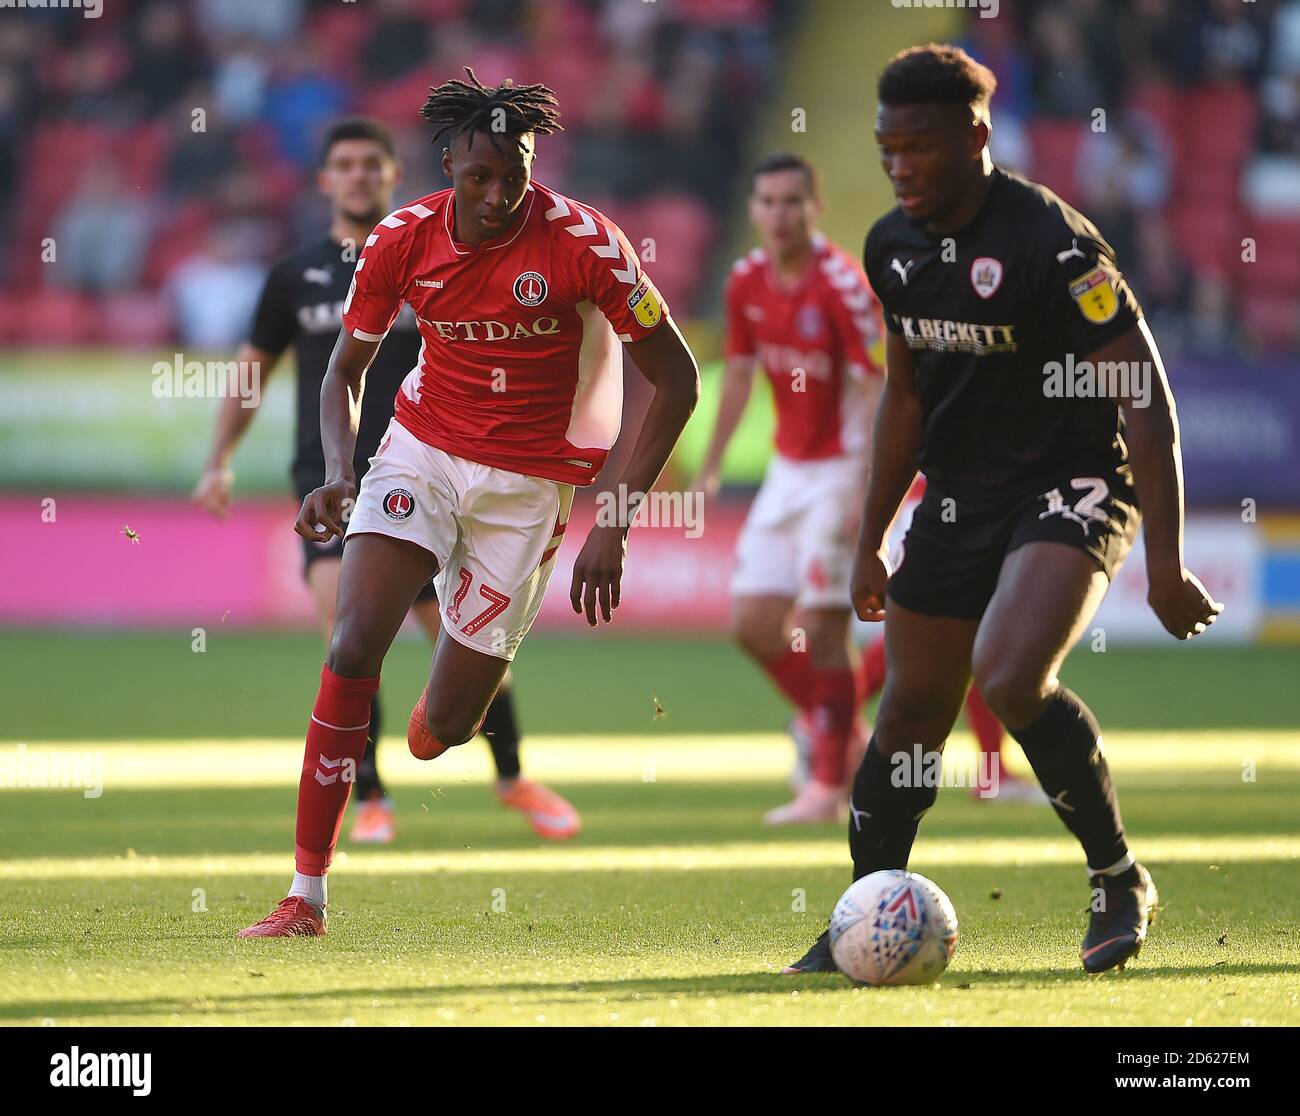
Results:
551 815
418 737
374 822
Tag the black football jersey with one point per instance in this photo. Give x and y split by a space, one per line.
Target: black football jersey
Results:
302 305
986 310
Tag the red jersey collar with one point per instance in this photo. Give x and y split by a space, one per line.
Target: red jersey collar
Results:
449 217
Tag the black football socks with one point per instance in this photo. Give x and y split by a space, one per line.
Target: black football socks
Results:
502 732
1064 748
368 782
884 812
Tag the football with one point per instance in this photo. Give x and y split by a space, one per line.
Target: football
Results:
893 927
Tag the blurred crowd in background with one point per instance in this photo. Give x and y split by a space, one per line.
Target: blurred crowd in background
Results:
168 148
1198 150
164 218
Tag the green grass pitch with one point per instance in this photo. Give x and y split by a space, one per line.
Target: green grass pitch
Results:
674 906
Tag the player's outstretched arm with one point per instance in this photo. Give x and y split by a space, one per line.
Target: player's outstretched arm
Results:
895 447
216 480
1180 601
322 514
664 359
737 384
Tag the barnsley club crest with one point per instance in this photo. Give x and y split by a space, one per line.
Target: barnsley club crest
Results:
986 276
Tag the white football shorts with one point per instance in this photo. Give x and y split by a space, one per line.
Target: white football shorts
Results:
495 534
796 540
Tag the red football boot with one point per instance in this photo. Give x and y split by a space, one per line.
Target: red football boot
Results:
418 737
295 917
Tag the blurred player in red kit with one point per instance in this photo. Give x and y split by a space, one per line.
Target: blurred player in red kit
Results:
801 307
522 297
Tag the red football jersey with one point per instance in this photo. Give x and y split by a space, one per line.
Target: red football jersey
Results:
814 341
520 366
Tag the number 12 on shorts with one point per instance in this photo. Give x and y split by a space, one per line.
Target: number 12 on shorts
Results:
498 602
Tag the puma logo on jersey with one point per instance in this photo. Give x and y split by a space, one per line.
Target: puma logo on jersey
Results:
901 269
1070 252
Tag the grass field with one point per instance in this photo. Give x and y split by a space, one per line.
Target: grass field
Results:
674 905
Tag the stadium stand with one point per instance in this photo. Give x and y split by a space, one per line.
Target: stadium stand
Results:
194 124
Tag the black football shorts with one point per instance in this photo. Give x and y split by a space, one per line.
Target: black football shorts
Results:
953 550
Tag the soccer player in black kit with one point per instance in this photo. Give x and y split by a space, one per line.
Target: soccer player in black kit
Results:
301 305
991 287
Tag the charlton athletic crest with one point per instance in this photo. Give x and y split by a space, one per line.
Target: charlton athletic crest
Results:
399 504
530 289
986 276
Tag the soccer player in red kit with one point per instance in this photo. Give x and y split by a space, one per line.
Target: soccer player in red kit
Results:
522 297
800 306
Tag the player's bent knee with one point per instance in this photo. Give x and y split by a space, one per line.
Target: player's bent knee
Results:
1015 697
349 658
904 720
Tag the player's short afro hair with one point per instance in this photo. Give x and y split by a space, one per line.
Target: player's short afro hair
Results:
354 128
936 72
785 161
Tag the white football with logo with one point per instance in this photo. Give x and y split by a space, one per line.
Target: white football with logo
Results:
893 927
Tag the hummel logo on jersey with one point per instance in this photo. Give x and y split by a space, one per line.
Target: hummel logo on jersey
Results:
321 275
1070 252
436 284
901 269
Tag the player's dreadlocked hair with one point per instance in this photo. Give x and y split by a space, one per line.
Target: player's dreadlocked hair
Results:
462 107
936 72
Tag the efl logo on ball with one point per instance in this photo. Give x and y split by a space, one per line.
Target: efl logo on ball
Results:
893 927
399 504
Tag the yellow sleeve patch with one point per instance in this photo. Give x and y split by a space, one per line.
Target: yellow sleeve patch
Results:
644 304
1095 295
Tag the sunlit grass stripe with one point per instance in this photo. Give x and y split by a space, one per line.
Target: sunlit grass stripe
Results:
733 856
268 762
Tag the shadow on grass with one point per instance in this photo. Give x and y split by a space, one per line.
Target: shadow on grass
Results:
574 992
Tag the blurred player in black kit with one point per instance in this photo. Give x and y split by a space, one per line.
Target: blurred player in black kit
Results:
301 305
1001 301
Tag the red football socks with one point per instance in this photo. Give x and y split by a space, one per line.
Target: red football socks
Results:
833 711
336 742
986 727
793 674
869 678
